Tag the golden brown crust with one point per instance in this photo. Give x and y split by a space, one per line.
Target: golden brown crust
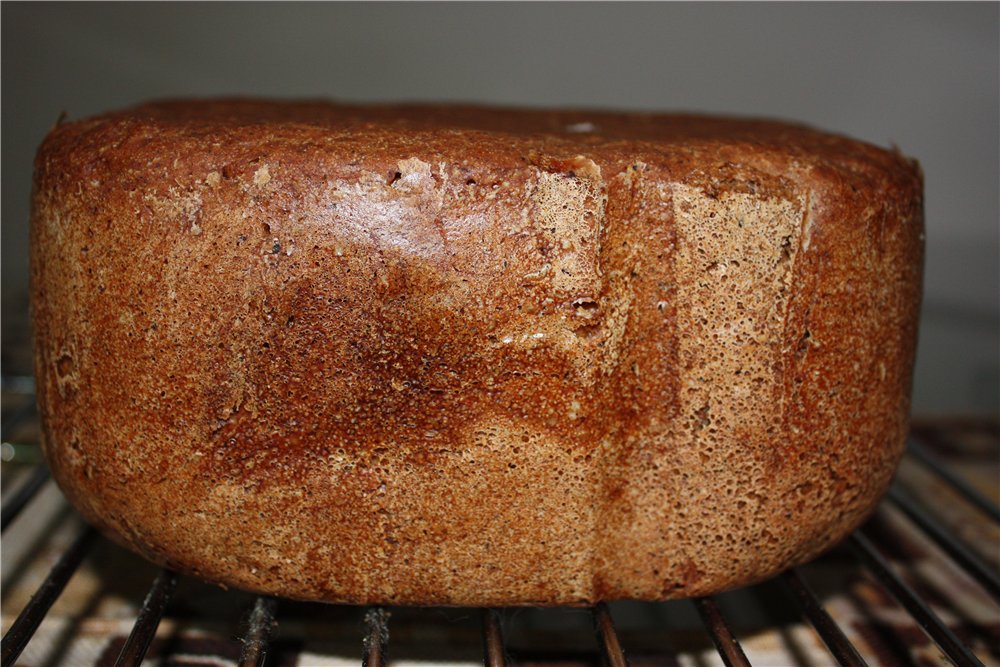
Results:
447 355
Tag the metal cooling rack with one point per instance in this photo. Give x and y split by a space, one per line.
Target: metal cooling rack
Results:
869 547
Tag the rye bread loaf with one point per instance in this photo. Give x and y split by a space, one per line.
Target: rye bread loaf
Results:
449 355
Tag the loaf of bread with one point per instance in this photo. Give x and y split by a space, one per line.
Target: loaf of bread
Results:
466 356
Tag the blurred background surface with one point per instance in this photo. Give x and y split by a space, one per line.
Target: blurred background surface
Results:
924 77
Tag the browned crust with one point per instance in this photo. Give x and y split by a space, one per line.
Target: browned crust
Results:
447 355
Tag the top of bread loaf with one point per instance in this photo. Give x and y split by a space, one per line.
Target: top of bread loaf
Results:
301 132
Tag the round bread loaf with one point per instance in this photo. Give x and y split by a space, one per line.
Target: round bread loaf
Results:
450 355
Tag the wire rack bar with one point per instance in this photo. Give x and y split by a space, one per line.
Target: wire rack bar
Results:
376 638
148 620
258 637
961 554
493 647
31 616
611 648
17 502
840 646
966 490
921 612
729 648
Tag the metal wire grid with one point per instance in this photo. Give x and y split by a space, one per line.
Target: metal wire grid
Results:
257 639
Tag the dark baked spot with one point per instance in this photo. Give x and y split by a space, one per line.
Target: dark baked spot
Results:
786 249
64 365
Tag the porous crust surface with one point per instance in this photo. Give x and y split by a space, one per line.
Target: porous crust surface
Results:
449 355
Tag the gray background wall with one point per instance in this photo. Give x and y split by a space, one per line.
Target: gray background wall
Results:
921 76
